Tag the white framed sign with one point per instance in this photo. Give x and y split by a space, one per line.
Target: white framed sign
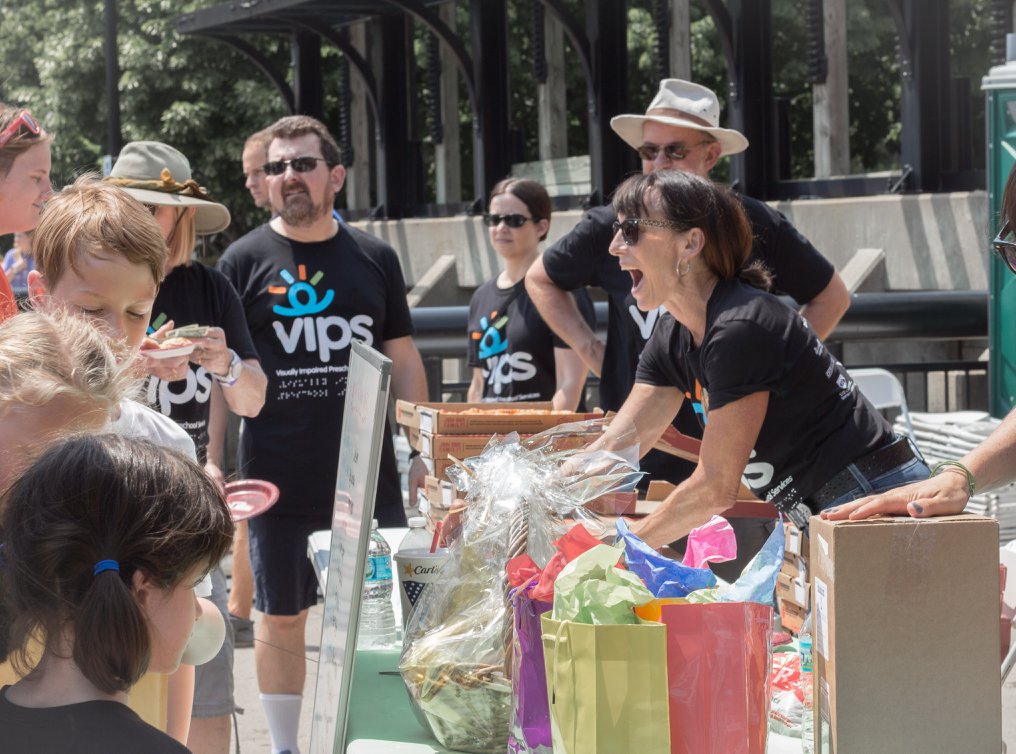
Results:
364 423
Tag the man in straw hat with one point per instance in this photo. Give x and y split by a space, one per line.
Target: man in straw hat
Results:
309 286
192 389
679 131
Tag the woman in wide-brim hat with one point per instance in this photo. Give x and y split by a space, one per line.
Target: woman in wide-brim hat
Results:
223 365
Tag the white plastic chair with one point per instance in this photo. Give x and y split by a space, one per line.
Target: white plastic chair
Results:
883 390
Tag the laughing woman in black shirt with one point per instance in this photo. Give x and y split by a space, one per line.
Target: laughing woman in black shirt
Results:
514 355
780 414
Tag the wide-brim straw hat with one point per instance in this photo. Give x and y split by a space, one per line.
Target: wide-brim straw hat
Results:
686 105
154 173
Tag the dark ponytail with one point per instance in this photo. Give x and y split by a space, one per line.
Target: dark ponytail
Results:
93 498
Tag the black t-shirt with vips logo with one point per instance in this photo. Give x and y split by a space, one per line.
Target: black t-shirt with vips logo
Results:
305 303
195 294
816 422
512 345
582 258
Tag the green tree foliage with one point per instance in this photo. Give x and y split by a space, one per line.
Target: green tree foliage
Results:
196 94
205 98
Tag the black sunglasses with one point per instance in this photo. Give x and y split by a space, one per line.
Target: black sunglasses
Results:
299 165
512 221
675 152
629 228
1006 248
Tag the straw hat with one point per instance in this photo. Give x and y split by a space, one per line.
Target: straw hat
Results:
686 105
155 173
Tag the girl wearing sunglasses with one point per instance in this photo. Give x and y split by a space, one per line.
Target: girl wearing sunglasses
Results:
990 465
24 181
780 414
513 353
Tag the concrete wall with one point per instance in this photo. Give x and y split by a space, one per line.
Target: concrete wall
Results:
931 241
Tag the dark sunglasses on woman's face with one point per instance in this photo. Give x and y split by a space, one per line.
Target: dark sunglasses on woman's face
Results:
299 165
629 228
512 221
1006 247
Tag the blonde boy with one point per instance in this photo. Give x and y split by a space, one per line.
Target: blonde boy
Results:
100 252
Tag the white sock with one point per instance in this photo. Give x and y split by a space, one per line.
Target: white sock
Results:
283 713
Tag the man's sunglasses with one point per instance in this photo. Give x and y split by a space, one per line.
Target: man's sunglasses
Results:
512 221
299 165
1006 247
673 152
24 120
629 228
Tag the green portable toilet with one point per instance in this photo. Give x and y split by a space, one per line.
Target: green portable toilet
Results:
1000 89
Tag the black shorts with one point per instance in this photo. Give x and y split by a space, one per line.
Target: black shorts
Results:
285 582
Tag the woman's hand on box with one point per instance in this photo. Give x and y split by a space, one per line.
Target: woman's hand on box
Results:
942 495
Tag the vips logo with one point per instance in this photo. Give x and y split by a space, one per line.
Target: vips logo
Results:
502 368
198 385
647 323
321 334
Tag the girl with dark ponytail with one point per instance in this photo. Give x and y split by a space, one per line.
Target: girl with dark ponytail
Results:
104 540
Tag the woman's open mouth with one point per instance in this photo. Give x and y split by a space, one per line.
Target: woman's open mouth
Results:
636 280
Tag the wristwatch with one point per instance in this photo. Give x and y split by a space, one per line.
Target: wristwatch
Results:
233 373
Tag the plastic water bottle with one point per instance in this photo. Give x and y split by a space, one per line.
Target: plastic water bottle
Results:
417 538
377 617
808 689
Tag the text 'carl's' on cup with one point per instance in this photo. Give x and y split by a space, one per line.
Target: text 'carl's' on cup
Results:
416 568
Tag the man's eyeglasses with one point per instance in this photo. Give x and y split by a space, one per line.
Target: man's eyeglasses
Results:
674 152
512 221
299 165
24 120
629 228
1006 247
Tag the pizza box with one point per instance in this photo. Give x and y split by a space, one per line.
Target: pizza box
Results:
440 492
484 418
443 446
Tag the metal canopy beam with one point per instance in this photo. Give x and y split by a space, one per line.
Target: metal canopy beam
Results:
923 30
492 153
610 159
263 64
396 187
307 84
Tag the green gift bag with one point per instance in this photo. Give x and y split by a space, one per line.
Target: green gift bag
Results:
607 687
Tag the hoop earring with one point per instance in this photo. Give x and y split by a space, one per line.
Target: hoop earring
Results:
681 273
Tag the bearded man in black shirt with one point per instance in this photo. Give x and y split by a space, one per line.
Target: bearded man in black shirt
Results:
309 286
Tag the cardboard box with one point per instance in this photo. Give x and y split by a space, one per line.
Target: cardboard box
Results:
442 446
440 492
483 418
792 616
436 467
906 635
795 566
796 543
793 590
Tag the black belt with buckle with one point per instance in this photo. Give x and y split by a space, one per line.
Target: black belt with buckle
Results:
872 465
877 462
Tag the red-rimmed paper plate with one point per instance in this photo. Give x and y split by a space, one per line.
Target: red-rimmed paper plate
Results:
250 497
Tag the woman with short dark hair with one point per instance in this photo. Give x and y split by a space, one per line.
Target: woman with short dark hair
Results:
780 414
